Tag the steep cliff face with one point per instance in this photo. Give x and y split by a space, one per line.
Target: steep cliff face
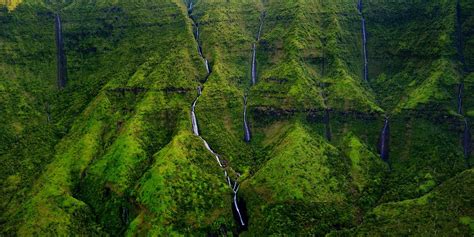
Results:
115 150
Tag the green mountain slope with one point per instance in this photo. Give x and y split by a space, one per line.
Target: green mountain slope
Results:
114 151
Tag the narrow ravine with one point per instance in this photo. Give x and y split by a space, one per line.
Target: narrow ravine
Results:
236 207
61 56
364 40
384 143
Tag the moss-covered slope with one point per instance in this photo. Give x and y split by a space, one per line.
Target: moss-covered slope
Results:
113 153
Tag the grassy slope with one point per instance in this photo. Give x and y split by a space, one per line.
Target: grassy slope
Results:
112 143
116 153
309 186
447 210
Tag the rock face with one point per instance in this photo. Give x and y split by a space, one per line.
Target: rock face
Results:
225 118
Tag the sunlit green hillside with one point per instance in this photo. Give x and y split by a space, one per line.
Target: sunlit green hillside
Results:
359 122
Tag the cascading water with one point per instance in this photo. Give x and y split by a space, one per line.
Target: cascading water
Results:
385 141
235 187
254 50
246 126
61 56
364 41
254 66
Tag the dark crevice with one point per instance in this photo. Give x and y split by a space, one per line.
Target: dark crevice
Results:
384 142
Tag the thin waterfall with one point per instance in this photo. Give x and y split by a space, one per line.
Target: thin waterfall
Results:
385 141
246 126
193 114
208 69
254 50
364 41
195 127
254 66
61 56
235 189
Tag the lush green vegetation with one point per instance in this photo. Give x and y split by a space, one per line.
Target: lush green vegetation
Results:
113 153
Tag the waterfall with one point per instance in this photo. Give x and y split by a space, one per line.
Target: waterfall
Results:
254 66
246 127
364 41
206 63
384 141
61 56
193 118
254 50
467 142
195 127
190 8
235 189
